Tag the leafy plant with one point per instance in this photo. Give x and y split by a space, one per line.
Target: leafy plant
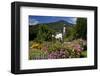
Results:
37 54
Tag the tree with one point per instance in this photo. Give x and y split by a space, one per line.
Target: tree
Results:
33 30
81 28
44 33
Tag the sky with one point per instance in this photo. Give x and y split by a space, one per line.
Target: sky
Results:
33 20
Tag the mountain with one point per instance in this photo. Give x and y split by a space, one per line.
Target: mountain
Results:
64 22
60 21
58 25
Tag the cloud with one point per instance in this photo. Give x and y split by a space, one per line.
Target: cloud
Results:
72 20
33 22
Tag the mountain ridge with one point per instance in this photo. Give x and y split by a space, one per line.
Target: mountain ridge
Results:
60 21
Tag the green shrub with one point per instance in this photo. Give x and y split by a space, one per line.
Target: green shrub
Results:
37 54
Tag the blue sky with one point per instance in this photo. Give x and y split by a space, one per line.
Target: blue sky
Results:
33 20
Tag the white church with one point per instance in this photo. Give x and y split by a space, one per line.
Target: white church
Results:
60 35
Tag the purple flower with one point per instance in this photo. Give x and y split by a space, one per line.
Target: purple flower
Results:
78 48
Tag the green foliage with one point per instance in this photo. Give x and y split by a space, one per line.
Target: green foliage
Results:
32 32
37 54
81 28
55 46
44 34
84 53
50 28
70 34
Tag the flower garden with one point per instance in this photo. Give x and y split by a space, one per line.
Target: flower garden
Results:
57 50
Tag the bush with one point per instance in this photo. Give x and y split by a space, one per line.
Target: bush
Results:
37 54
55 46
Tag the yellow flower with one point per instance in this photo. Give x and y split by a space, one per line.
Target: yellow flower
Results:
36 46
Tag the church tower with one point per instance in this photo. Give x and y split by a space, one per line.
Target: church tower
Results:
64 30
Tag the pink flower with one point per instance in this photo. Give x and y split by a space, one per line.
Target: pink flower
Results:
78 48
